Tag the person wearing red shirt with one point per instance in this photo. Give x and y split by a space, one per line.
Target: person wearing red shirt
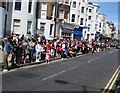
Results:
48 46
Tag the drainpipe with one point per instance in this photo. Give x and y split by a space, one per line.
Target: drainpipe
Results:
55 18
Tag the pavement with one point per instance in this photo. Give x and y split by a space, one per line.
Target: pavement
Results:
84 73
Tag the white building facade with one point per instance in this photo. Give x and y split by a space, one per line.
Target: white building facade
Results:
92 20
85 15
2 21
102 24
5 17
84 18
51 16
31 17
45 23
46 27
108 30
24 17
78 17
63 26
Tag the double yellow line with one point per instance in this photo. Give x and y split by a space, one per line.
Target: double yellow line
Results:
111 82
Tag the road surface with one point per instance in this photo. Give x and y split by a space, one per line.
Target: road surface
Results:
85 73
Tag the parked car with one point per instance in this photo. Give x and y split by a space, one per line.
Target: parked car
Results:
118 46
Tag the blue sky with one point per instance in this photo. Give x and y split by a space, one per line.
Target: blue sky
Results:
110 9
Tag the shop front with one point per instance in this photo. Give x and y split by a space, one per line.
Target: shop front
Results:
77 33
97 34
67 33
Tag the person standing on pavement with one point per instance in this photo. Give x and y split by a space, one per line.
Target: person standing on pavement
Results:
14 44
7 50
52 50
48 46
19 52
59 49
63 50
47 57
43 50
3 44
78 46
93 47
27 55
55 48
32 49
38 51
83 48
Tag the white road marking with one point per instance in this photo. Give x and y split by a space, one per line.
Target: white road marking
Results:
93 59
115 50
111 81
58 73
111 52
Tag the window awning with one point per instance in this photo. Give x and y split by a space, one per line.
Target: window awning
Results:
97 34
68 26
85 27
65 30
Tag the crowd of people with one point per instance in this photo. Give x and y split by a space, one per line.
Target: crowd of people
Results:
25 49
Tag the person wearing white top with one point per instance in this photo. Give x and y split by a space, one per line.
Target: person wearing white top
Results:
38 51
63 46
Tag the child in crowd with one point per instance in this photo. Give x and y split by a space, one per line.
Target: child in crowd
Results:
47 56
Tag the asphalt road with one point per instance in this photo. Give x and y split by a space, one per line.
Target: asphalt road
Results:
85 73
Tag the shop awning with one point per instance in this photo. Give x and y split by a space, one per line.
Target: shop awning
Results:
65 30
78 31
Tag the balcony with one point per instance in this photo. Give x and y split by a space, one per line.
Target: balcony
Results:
66 2
63 10
61 14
